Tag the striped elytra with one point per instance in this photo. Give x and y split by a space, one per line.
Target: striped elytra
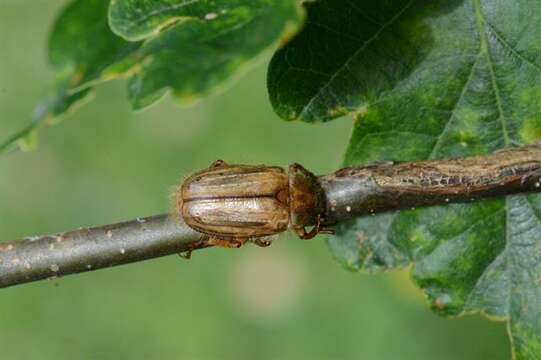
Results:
237 203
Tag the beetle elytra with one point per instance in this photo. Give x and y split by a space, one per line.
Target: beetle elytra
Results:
233 204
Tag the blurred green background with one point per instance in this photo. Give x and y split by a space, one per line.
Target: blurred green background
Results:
106 164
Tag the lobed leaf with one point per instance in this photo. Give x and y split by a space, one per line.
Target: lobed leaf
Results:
346 52
48 112
81 47
192 47
140 19
429 80
197 57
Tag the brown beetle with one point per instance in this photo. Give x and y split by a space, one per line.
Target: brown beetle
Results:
233 204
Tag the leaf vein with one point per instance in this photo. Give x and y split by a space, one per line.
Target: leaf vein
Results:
360 12
503 253
485 50
335 32
142 19
514 51
350 58
453 109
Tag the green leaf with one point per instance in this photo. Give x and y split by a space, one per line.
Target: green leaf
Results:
81 47
347 52
191 48
203 44
140 19
429 80
48 112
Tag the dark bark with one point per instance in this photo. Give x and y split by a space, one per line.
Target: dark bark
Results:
377 188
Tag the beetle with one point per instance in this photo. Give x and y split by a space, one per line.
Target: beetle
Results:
233 204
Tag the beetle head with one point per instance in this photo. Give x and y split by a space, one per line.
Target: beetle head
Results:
306 197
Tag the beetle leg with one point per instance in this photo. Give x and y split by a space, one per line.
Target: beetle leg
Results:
262 242
302 234
218 164
327 230
317 229
236 243
186 255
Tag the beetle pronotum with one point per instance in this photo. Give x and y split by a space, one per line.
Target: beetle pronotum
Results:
233 204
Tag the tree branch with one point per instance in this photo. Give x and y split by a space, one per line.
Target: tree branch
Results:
358 191
349 192
37 258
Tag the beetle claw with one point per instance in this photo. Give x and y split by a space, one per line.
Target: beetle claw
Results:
218 164
304 235
235 244
317 229
187 255
262 242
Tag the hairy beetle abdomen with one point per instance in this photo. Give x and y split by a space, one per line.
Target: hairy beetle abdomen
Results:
237 201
